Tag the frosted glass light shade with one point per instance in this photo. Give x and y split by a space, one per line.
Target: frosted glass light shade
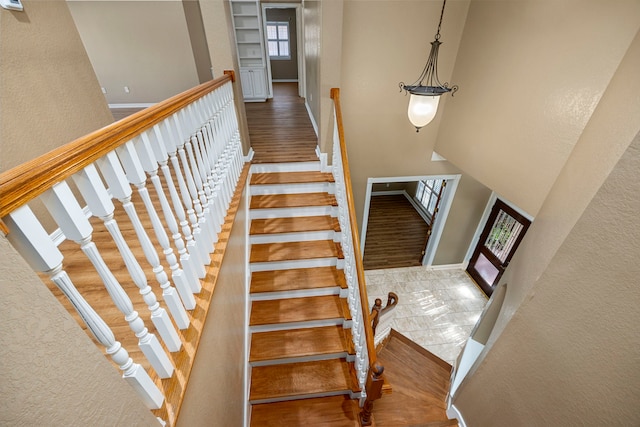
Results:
422 109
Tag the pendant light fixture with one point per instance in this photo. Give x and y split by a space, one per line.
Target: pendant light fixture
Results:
426 91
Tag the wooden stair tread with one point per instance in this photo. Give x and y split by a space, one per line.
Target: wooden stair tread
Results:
297 279
413 401
288 251
299 379
290 177
294 224
275 345
331 411
271 312
292 200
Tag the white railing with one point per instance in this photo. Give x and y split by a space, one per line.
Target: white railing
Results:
369 370
189 150
350 269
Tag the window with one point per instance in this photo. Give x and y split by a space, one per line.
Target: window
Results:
278 40
428 195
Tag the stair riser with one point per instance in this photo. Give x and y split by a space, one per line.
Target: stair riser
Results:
285 167
303 236
304 396
299 325
307 187
298 263
335 290
291 212
341 355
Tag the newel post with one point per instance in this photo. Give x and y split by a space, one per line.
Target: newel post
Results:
374 392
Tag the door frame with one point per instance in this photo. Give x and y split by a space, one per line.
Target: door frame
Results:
436 228
299 48
483 220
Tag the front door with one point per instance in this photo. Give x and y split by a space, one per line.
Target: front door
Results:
499 240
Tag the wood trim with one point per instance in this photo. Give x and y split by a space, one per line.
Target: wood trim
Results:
397 335
25 182
364 300
175 388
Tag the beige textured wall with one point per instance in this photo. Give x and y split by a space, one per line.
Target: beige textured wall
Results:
331 53
216 387
574 277
531 73
466 211
143 45
382 46
198 39
571 355
52 373
311 15
49 94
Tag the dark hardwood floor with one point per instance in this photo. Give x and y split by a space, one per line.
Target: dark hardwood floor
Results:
396 234
280 129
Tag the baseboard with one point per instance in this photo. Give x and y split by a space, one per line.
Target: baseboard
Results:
461 266
453 412
323 160
313 120
132 105
249 157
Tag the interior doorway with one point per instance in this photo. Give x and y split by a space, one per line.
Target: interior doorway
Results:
283 30
404 218
502 233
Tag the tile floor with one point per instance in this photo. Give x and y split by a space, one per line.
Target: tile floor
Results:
436 308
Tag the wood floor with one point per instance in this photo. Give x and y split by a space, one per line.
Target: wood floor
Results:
396 234
420 383
280 129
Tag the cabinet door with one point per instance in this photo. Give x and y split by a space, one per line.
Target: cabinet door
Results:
246 81
259 82
254 83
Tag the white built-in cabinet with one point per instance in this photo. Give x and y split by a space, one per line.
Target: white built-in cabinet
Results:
247 25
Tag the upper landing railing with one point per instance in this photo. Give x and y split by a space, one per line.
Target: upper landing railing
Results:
367 366
96 190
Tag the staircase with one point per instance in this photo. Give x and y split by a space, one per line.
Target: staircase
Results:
301 354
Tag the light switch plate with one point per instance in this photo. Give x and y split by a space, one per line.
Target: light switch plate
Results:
11 4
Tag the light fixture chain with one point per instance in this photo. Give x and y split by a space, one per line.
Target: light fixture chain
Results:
440 23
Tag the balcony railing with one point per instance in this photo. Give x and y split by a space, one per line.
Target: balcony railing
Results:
154 189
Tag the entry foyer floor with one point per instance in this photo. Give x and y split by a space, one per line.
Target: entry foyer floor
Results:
437 309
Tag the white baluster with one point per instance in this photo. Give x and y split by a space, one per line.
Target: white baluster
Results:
150 165
195 157
99 202
202 241
34 244
162 157
203 215
137 177
67 213
197 179
119 186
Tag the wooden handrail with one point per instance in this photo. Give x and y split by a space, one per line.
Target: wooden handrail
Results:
364 300
25 182
377 310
